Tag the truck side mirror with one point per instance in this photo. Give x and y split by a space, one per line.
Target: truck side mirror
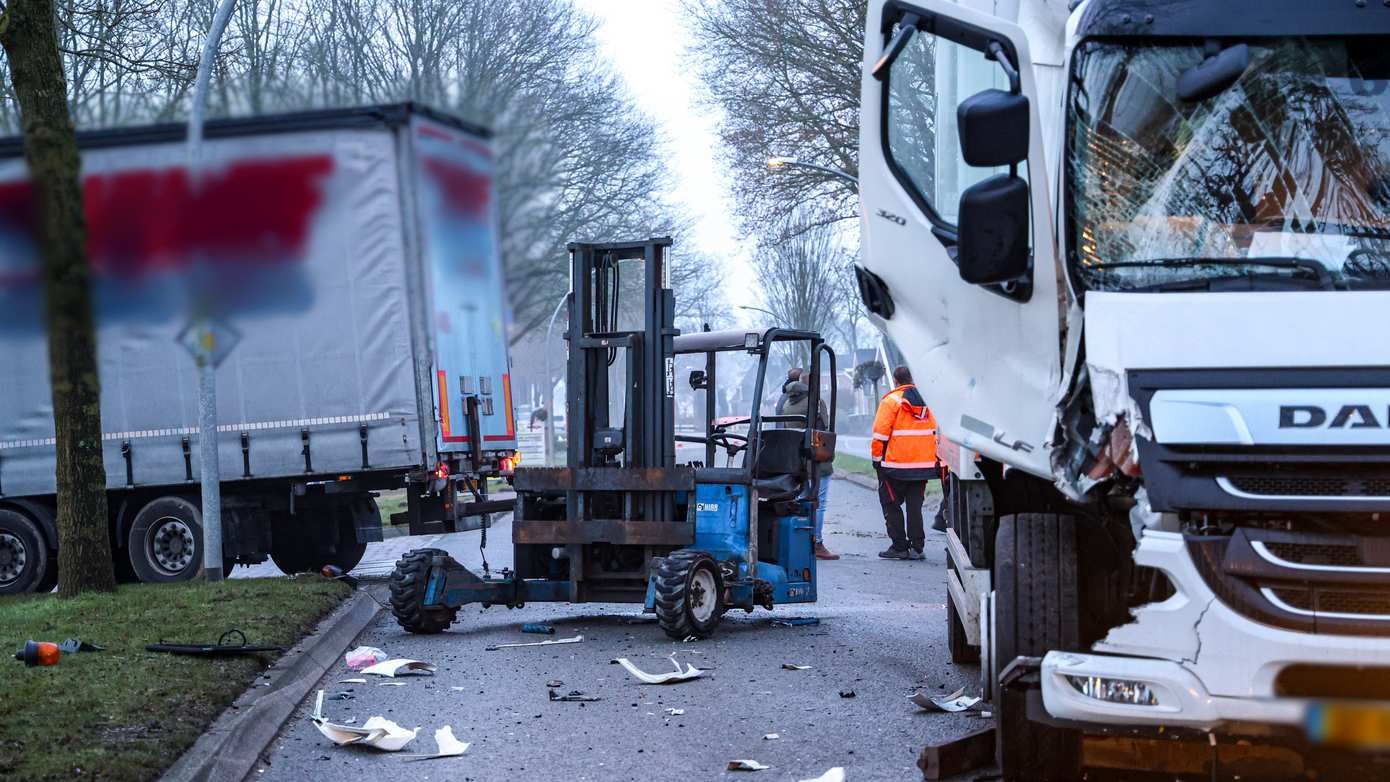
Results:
993 128
992 233
698 379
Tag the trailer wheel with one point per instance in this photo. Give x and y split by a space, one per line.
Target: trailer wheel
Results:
165 542
689 594
1037 609
26 564
408 582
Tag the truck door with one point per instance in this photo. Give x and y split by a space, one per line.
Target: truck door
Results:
986 356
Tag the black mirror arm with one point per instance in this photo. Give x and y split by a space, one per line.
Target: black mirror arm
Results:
907 27
997 53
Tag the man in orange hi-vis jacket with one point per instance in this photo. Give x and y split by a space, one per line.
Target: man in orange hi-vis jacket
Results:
904 451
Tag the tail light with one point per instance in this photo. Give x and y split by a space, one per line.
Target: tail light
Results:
442 471
507 465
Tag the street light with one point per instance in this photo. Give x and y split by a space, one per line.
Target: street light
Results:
783 163
758 309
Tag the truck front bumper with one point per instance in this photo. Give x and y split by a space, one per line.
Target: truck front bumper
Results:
1203 664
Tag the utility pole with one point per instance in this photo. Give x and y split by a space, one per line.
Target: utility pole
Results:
205 348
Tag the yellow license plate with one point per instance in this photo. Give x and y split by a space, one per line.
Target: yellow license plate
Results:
1360 725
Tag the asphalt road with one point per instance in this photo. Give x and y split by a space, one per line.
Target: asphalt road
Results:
881 635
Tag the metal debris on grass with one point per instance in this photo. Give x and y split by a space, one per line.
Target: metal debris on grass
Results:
494 647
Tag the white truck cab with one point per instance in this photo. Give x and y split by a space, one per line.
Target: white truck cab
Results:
1137 255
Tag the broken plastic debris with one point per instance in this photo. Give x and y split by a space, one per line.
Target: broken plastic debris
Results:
795 667
352 681
674 712
391 684
956 701
683 673
746 765
74 645
555 683
399 667
537 628
460 689
573 640
846 693
449 747
836 774
573 696
771 736
377 732
364 656
796 621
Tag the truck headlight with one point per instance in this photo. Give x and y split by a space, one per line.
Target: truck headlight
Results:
1124 691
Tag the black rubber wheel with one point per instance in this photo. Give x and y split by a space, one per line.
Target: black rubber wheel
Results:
408 583
962 651
165 542
689 594
25 561
291 556
1037 610
349 551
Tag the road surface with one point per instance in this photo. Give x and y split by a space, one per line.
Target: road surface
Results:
881 635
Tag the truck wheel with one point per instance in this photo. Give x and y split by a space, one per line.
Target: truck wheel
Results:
350 552
165 542
962 651
26 564
408 582
689 594
1037 609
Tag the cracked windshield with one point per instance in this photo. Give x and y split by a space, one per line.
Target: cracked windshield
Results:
1281 180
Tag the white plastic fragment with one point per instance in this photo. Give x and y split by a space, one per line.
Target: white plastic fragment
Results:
449 746
399 667
377 732
955 702
771 736
363 656
390 684
352 681
683 673
674 712
836 774
795 667
746 765
573 640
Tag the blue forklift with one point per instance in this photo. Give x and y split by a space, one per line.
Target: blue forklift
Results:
624 522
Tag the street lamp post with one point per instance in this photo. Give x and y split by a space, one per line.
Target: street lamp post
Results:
758 309
784 163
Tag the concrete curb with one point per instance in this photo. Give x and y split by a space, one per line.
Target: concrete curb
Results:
232 745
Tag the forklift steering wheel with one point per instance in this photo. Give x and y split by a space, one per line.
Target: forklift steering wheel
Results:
727 441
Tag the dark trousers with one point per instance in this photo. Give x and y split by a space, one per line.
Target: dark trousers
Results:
893 494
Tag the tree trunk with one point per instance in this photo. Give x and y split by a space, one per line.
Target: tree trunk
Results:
28 33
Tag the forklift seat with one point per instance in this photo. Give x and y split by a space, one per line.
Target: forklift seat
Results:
779 471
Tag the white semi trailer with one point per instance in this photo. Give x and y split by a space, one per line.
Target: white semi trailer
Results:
349 258
1137 255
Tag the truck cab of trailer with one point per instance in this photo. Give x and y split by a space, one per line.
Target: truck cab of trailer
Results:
1136 254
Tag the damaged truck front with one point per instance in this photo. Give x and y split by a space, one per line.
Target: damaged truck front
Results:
1138 257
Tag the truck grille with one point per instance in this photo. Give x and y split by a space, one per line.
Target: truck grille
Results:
1311 485
1310 582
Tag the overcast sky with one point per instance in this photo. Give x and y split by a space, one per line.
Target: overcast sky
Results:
646 40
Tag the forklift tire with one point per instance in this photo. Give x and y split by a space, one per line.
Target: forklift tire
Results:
408 583
1037 609
689 594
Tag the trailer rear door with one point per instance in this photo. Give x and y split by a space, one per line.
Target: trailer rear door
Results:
458 222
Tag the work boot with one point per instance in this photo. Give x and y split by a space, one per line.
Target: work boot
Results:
824 553
916 554
939 523
895 553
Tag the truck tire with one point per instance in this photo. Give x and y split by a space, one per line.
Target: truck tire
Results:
1037 609
165 542
296 547
26 564
689 594
408 583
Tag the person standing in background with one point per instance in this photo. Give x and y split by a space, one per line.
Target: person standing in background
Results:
904 454
797 399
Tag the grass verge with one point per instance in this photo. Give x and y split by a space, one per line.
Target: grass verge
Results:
125 713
